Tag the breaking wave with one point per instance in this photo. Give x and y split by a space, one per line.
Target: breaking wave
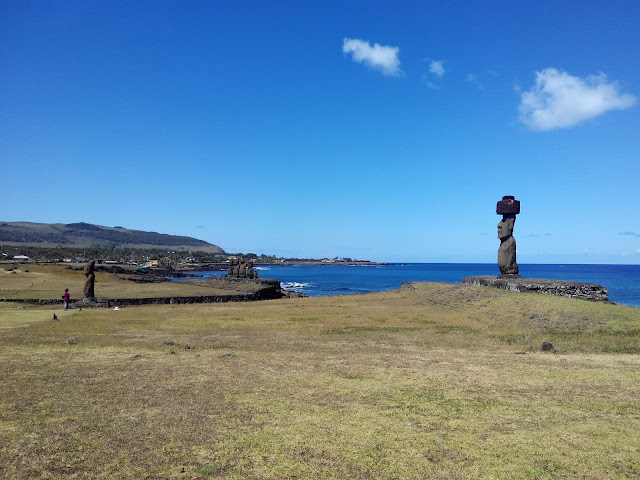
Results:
296 286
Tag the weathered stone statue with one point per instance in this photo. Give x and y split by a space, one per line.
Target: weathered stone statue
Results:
508 207
232 263
250 269
243 268
91 278
236 269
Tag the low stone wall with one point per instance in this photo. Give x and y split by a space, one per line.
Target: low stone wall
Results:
38 301
271 290
583 291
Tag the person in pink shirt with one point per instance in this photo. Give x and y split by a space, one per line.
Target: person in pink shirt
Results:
65 299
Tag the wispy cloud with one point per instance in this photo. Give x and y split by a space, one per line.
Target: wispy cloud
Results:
630 234
429 83
560 100
436 71
378 57
437 68
472 79
199 226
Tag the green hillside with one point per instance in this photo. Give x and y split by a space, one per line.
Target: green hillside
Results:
88 235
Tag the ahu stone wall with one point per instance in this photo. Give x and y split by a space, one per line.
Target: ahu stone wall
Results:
583 291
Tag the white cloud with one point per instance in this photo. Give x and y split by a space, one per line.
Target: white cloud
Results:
380 57
437 68
560 100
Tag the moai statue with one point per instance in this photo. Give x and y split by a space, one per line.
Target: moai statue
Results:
236 269
250 269
91 278
243 267
232 263
508 207
255 274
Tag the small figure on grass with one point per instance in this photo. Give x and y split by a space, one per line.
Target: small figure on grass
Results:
65 299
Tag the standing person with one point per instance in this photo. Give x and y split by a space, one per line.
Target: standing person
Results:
65 299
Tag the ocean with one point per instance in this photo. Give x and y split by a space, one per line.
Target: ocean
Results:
622 281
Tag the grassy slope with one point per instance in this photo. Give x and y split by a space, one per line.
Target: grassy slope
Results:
424 383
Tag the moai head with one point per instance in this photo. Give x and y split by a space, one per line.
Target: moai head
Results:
508 207
89 267
505 227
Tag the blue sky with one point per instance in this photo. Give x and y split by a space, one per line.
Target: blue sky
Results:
378 130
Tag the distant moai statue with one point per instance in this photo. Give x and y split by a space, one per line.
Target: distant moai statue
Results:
508 207
91 278
243 267
232 263
236 268
250 269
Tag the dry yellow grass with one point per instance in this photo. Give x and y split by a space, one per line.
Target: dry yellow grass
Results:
441 381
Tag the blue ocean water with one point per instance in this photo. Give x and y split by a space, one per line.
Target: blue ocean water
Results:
622 281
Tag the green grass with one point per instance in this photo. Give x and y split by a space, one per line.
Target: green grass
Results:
447 381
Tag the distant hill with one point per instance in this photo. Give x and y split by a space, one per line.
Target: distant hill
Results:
88 235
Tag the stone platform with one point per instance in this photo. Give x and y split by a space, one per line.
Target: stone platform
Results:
583 291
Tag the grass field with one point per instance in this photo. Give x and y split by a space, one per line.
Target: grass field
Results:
49 282
435 381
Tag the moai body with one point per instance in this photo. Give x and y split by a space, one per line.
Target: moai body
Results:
91 278
232 264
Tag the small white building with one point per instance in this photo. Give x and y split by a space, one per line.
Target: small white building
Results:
21 258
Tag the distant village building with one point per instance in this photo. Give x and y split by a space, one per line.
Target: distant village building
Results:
151 263
21 258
